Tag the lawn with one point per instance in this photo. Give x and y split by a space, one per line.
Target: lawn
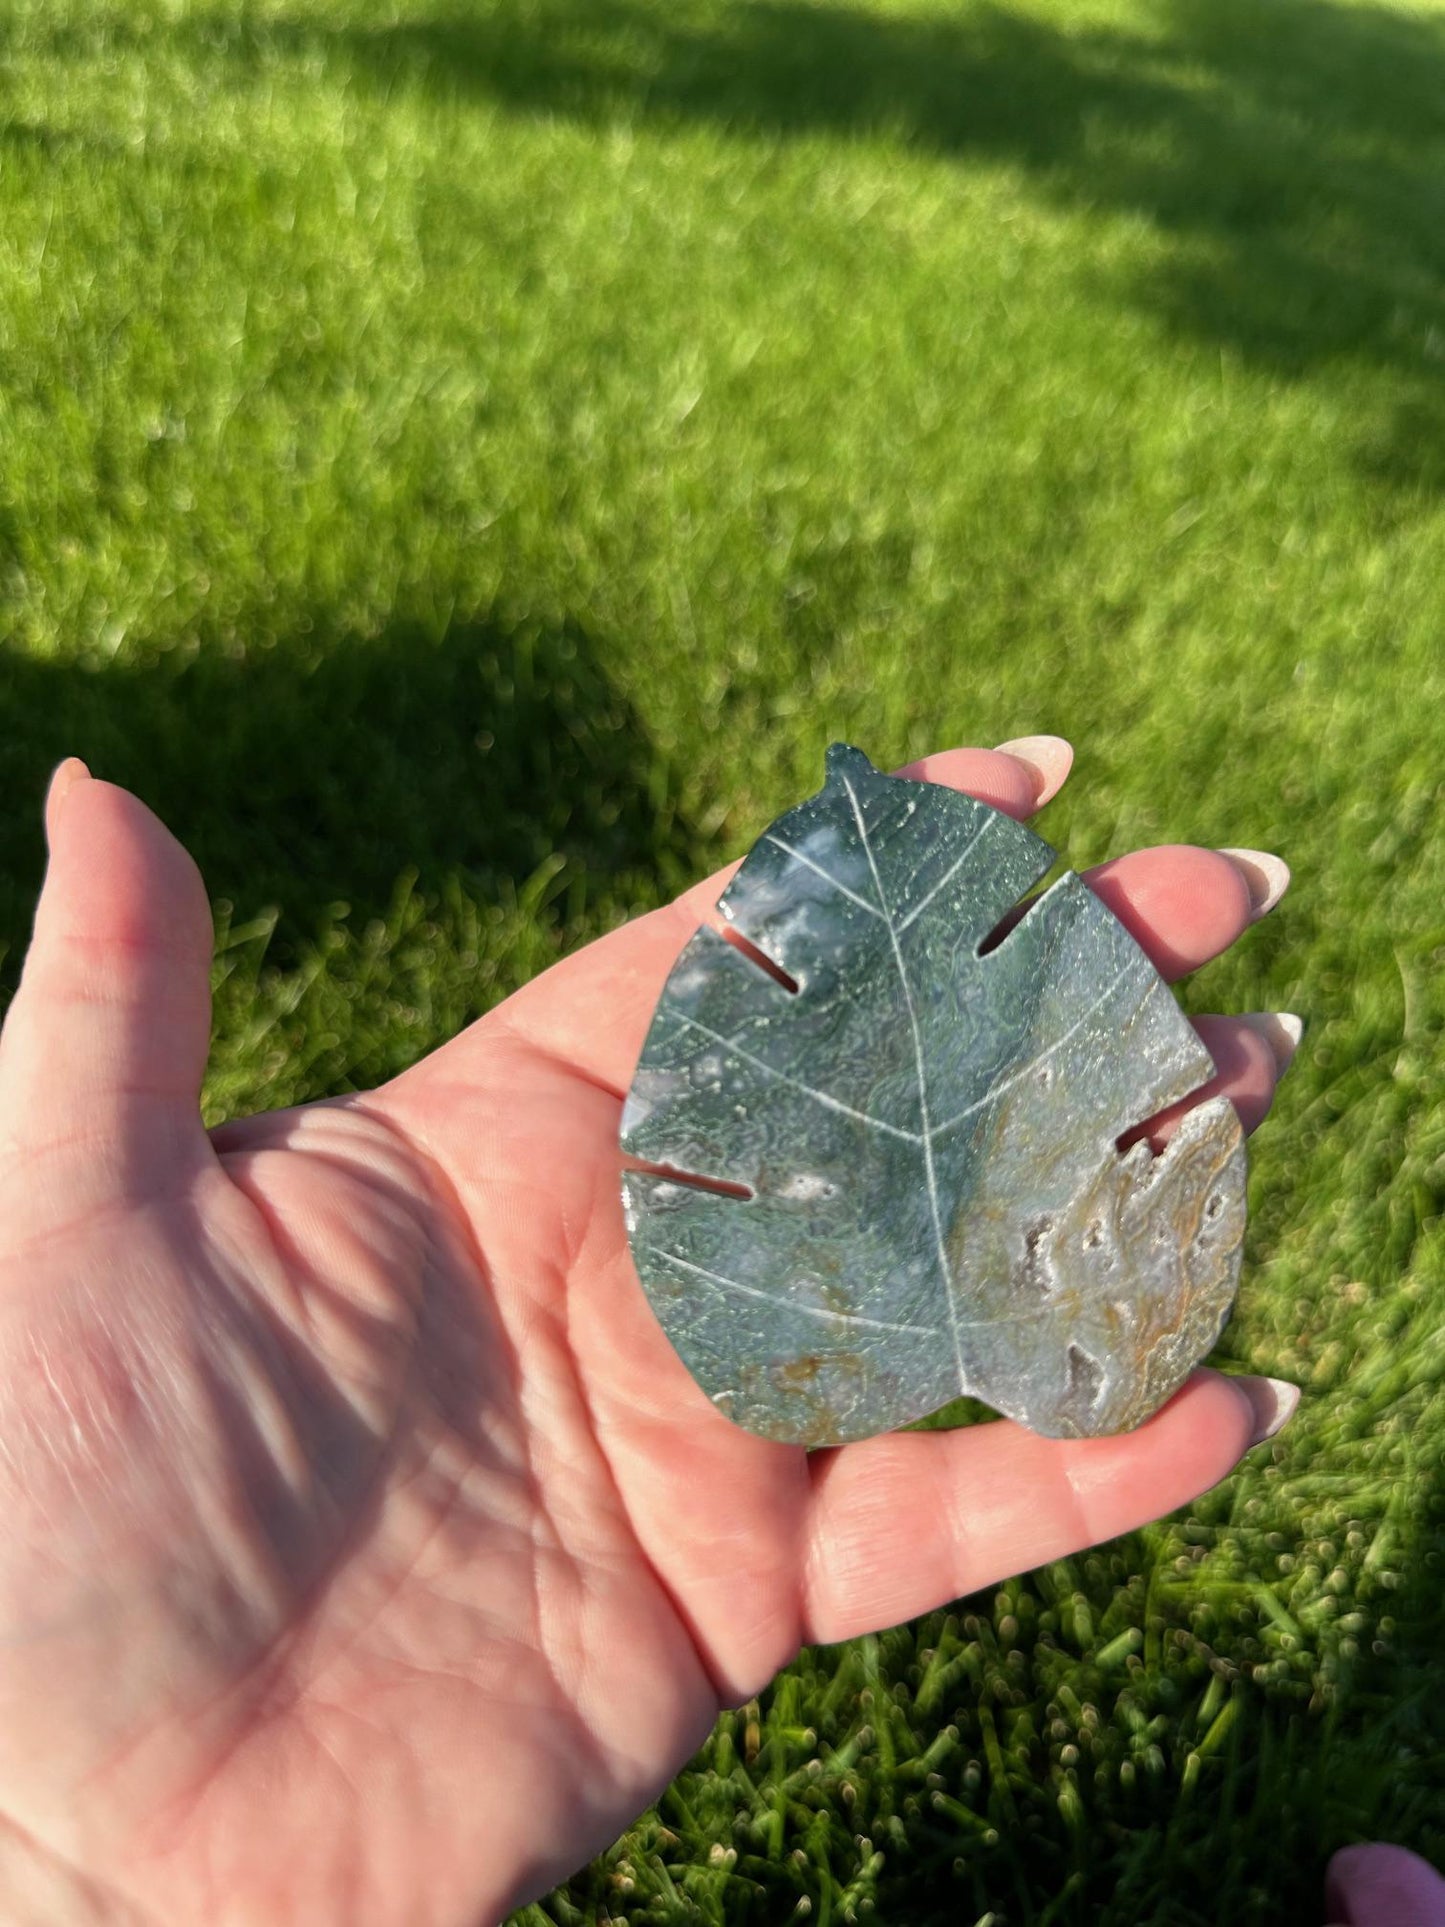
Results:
463 463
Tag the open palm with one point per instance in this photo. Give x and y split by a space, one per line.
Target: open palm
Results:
366 1553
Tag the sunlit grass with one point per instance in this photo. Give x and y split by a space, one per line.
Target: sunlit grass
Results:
463 464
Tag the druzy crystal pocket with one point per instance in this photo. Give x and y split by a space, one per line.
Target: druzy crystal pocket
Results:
885 1149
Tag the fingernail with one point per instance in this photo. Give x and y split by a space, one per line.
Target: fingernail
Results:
1280 1029
1274 1401
1266 878
62 782
1049 757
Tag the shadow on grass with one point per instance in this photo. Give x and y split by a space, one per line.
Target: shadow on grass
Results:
300 777
1294 155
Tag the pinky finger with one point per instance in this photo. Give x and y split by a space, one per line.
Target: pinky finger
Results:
905 1522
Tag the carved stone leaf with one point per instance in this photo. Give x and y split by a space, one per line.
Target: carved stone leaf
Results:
926 1136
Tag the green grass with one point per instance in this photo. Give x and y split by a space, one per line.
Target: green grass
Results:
463 464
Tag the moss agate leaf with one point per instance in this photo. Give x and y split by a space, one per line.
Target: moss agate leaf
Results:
935 1204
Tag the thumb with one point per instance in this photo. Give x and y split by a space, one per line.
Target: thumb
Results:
105 1044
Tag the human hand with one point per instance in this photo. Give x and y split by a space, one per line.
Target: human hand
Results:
368 1555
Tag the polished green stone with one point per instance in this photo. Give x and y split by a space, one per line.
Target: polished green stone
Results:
895 1178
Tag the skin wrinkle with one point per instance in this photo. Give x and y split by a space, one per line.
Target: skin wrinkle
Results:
820 1568
548 1646
831 1576
340 1651
263 1709
145 947
276 1280
214 1884
299 1695
839 1533
290 1261
114 1176
268 1514
596 1422
43 1436
1072 1489
106 1907
345 1870
268 1666
442 1187
564 1066
262 1381
960 1527
172 1184
583 1393
130 1088
386 1442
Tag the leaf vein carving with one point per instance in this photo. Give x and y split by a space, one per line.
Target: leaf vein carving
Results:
928 1170
827 875
818 1097
948 875
1034 1063
808 1311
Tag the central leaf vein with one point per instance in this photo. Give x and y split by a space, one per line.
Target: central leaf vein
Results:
929 1173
